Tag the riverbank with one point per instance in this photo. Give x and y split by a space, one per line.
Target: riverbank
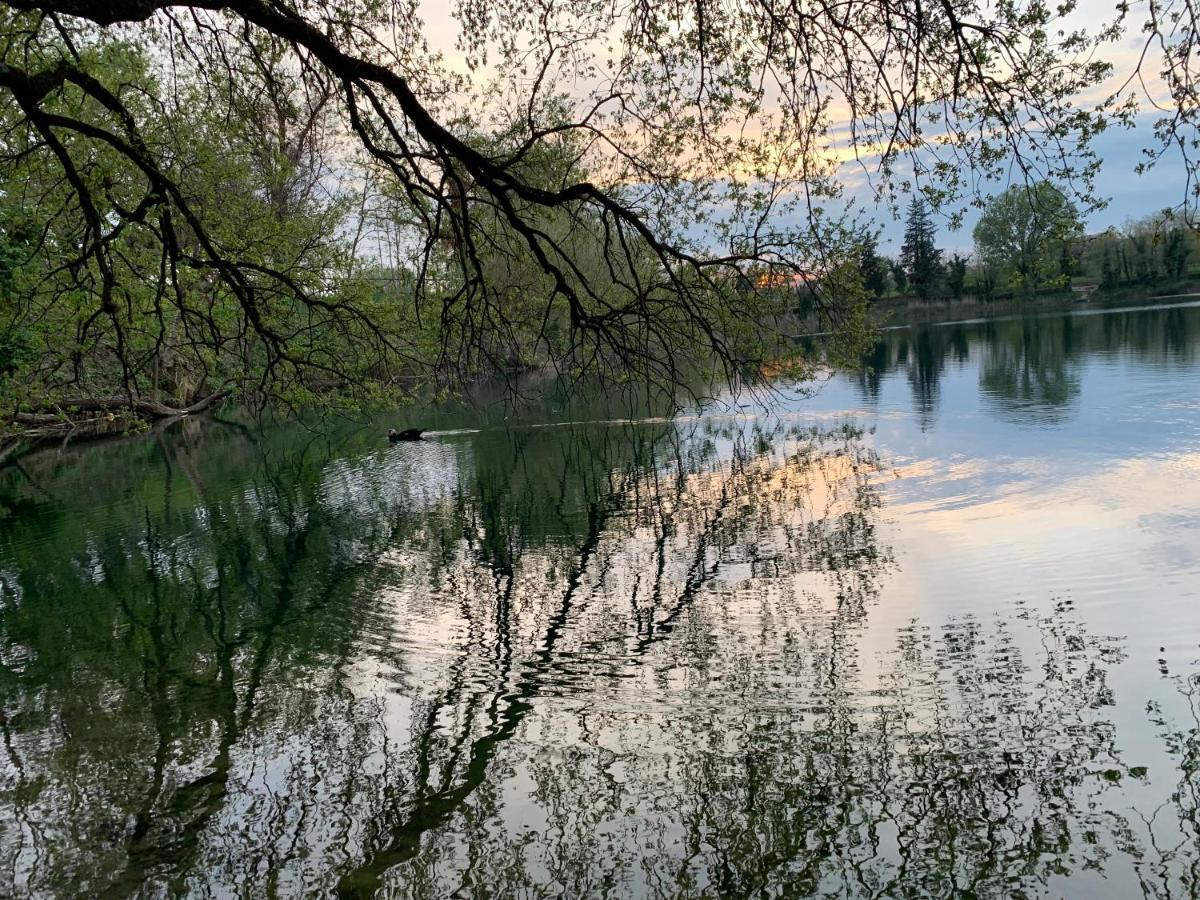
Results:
893 311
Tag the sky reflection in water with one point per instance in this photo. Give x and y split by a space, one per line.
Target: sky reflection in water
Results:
900 639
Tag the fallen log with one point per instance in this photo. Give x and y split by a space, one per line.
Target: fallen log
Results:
144 406
75 417
79 418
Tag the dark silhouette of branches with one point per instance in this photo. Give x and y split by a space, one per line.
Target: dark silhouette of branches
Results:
667 208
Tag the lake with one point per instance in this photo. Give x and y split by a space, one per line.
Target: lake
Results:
933 630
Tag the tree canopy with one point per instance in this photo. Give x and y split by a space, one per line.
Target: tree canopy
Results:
872 268
290 198
1026 231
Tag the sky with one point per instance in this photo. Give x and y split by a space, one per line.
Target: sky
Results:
1129 195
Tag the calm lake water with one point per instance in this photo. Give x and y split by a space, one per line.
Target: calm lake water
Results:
934 631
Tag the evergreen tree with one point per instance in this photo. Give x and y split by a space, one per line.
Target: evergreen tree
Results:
872 269
956 275
899 276
919 256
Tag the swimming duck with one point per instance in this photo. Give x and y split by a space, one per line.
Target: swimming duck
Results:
408 434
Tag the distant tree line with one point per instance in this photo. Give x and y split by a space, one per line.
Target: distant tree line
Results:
1029 240
1151 250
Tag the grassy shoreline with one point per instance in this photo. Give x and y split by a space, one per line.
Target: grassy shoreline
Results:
899 311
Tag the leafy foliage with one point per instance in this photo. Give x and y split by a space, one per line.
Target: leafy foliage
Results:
873 269
1154 249
271 198
1026 231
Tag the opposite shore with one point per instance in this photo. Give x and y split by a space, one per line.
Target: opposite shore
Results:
901 311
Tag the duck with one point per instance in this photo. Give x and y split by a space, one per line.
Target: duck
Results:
408 434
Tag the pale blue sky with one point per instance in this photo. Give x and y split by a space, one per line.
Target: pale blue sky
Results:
1130 196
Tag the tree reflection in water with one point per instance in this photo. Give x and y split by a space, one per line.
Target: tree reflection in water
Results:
1029 367
604 659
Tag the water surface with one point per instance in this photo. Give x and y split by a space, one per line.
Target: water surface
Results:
934 631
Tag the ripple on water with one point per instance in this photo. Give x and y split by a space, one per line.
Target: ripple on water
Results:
953 646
